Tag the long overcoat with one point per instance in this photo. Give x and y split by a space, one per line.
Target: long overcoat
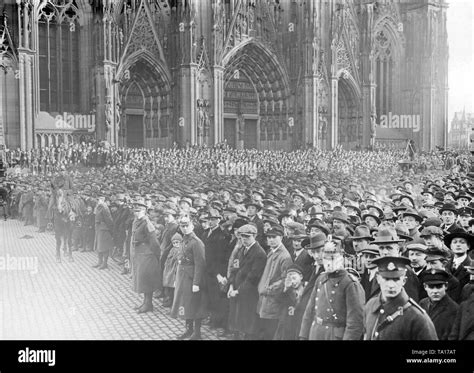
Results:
191 271
442 313
246 269
104 241
143 250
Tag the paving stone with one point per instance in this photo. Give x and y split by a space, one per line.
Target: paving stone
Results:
72 300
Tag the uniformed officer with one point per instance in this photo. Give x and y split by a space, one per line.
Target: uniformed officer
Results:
438 304
335 308
143 252
392 315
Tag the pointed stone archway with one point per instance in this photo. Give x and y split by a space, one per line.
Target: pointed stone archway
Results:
146 107
255 95
350 116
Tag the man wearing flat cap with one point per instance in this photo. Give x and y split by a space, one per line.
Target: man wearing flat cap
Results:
272 283
335 307
393 315
245 271
438 304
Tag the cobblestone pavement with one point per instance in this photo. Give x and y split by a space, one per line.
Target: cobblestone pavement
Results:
71 300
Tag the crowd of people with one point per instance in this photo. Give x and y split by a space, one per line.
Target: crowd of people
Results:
320 245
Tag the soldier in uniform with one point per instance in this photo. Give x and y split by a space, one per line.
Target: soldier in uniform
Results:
104 242
190 301
143 250
392 315
335 308
438 304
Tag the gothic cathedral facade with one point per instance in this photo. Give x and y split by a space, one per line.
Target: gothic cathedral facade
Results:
265 74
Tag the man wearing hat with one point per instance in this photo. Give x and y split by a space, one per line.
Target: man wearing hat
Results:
368 277
313 246
417 254
298 254
465 214
289 321
252 212
449 215
433 237
104 242
271 284
245 271
335 308
216 244
438 304
437 259
190 298
171 228
388 243
412 221
144 251
460 243
393 315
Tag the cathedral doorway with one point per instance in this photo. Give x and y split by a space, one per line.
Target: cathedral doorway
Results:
349 114
255 99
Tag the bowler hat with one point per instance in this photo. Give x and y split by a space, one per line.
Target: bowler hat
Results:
338 215
315 242
467 236
449 207
413 213
362 232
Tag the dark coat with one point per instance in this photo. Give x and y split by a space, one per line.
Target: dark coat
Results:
260 236
191 271
413 324
467 290
442 314
103 230
463 328
452 228
289 322
245 273
218 250
305 261
461 272
335 309
454 290
143 249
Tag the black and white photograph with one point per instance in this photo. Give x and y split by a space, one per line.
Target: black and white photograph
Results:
237 171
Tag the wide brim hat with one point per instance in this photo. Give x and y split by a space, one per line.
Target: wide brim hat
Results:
413 213
386 236
337 215
448 207
377 219
467 236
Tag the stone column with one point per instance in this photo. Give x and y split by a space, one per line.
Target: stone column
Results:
334 111
187 115
218 106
